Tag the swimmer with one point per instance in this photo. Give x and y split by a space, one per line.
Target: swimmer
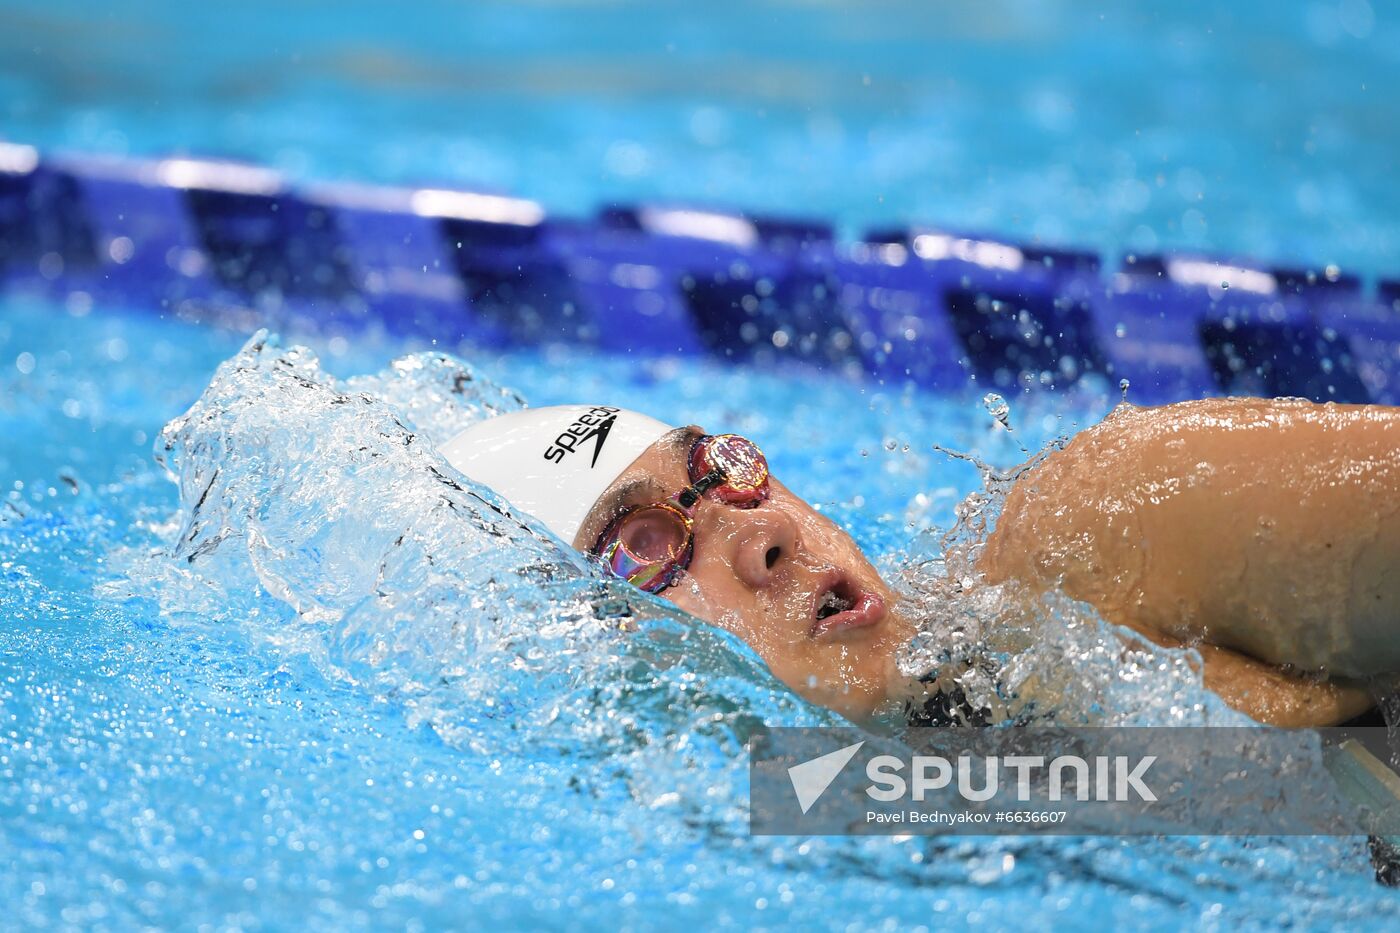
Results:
1265 533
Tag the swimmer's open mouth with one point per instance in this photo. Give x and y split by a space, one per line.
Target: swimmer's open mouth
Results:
841 605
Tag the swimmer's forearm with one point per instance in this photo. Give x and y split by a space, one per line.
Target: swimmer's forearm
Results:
1270 695
1264 526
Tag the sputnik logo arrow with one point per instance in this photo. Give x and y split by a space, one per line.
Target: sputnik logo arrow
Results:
811 778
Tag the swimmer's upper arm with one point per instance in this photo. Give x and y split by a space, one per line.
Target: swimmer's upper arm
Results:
1268 526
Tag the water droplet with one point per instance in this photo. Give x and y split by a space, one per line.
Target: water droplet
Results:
1123 385
1225 286
998 408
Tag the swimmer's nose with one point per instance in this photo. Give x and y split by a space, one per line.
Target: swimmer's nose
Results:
761 541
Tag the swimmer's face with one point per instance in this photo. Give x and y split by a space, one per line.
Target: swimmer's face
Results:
781 576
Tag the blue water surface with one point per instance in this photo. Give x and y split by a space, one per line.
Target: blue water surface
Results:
180 747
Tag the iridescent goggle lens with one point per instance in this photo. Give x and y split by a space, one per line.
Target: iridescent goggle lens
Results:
650 545
739 461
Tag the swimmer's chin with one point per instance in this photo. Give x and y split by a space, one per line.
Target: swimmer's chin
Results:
888 712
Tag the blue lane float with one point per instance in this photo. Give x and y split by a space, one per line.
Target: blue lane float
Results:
403 273
896 318
147 247
947 310
1257 329
45 226
1020 316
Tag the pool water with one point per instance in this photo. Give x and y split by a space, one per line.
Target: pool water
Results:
261 711
466 745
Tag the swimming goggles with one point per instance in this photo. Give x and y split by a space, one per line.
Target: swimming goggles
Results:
650 546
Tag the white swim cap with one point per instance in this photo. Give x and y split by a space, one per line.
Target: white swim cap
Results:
554 462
